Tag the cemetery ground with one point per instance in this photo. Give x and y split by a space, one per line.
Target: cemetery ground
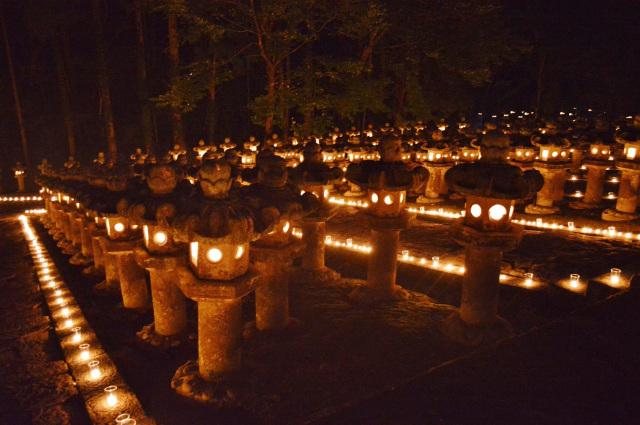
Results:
575 357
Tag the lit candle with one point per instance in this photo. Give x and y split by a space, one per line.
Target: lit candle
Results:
68 323
76 334
94 370
435 261
575 280
528 279
615 276
111 395
84 351
58 293
65 311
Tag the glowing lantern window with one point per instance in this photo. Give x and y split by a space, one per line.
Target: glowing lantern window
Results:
401 197
160 238
194 253
497 212
554 154
118 227
214 255
286 227
631 153
326 193
239 252
388 199
374 198
594 151
475 210
545 153
145 232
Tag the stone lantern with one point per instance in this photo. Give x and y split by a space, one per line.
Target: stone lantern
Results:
227 144
491 187
176 152
629 166
201 149
315 177
122 273
387 182
161 255
273 253
18 173
218 229
437 159
552 162
597 162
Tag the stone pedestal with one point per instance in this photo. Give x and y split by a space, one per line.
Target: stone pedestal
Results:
219 333
85 256
272 290
169 303
436 186
97 268
313 269
627 193
20 179
554 175
595 185
478 322
133 281
383 259
111 285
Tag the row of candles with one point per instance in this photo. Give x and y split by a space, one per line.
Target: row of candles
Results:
68 316
20 198
614 278
609 231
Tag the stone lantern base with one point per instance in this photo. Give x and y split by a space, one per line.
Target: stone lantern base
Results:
540 209
612 214
97 268
219 335
581 205
313 269
456 329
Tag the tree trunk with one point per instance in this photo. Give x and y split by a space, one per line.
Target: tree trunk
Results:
14 88
285 81
174 58
271 98
308 112
63 83
103 83
143 90
211 124
539 84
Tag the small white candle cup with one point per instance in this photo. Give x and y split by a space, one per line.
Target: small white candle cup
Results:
615 276
349 242
612 230
405 254
110 391
94 369
570 225
528 279
122 417
538 221
574 280
435 261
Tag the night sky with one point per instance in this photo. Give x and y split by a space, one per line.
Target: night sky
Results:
591 51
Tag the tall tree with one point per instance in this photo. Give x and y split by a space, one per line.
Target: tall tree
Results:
14 88
103 81
141 68
174 60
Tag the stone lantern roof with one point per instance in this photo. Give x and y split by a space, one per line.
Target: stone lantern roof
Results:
492 176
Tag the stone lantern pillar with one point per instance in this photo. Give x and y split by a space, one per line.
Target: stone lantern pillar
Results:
315 177
552 163
219 230
387 182
629 166
161 255
596 163
273 253
491 187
